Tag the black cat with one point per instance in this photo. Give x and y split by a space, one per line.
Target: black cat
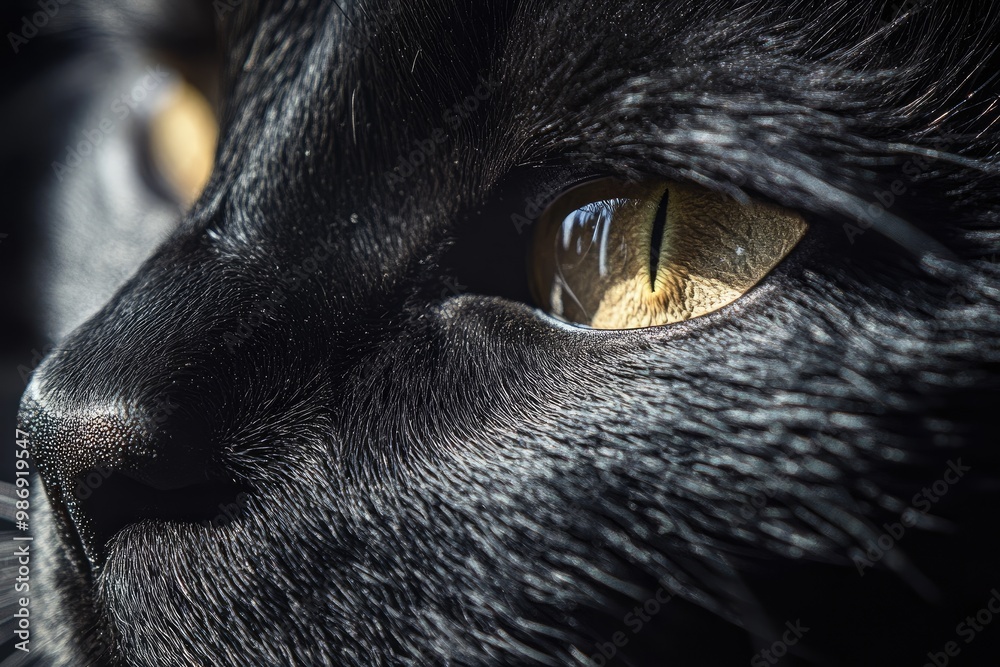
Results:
358 410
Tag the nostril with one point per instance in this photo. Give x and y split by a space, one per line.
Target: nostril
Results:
107 467
107 501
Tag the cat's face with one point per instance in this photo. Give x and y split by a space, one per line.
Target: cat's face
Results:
326 424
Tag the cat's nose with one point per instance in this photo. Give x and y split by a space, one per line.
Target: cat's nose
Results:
115 458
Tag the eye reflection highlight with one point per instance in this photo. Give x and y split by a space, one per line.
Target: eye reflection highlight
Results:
583 229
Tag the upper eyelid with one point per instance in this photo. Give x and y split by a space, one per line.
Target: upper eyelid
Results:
552 194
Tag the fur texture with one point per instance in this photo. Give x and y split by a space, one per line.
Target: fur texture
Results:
432 477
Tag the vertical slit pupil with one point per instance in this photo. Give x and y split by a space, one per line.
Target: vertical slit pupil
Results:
656 240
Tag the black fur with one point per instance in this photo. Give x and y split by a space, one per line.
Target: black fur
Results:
431 475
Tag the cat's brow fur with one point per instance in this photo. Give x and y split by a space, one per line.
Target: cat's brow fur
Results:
459 480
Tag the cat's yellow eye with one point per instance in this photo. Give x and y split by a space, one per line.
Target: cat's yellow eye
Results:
615 255
183 133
